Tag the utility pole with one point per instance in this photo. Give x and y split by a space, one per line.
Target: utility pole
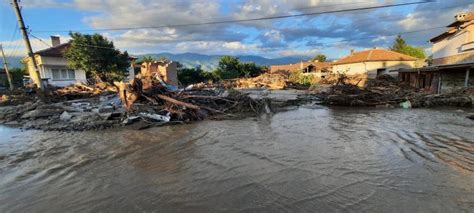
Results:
35 75
5 64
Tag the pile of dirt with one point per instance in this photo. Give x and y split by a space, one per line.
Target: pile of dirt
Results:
267 80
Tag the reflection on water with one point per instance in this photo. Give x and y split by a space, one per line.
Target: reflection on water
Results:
339 159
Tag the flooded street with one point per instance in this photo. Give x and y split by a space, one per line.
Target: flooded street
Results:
305 160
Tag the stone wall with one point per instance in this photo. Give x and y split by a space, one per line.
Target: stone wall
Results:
452 80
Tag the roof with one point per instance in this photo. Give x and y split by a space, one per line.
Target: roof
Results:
437 67
453 27
56 51
374 55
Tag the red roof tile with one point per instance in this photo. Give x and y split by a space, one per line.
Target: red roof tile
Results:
374 55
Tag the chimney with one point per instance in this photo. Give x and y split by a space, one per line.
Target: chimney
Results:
460 17
55 41
352 51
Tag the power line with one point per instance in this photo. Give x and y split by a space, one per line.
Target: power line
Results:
246 20
81 45
388 35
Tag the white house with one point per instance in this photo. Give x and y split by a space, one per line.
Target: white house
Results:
456 45
453 59
53 67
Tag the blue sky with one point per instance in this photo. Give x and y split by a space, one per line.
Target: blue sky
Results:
331 34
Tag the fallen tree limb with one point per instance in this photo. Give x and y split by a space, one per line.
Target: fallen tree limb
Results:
174 101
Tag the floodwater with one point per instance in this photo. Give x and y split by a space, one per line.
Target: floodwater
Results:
305 160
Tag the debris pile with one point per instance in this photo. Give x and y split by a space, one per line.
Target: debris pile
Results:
80 90
146 101
267 80
388 91
149 98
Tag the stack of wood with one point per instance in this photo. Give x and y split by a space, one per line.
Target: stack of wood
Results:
182 105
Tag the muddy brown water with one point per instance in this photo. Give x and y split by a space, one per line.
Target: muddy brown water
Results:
305 160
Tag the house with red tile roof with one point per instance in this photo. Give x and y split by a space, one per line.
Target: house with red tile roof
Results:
371 63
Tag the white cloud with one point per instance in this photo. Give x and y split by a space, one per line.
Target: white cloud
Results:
358 30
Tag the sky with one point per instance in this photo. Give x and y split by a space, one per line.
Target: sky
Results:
332 34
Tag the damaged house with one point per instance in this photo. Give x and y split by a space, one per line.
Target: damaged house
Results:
165 69
453 59
319 69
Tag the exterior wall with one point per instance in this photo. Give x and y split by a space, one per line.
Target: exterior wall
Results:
46 72
458 48
455 59
453 80
426 81
370 68
168 72
45 66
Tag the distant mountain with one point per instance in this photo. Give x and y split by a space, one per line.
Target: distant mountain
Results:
210 62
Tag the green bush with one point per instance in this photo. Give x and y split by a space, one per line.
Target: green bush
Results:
194 75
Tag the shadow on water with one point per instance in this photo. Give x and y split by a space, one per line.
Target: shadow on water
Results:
337 159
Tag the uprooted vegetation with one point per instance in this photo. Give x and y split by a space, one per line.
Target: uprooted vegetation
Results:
386 90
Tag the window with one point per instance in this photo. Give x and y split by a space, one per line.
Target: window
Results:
63 74
381 71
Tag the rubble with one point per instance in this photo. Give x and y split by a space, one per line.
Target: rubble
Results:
387 90
145 99
273 81
470 116
148 101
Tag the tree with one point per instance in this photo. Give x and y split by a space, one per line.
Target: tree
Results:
148 59
193 75
17 75
320 58
401 46
229 67
97 56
